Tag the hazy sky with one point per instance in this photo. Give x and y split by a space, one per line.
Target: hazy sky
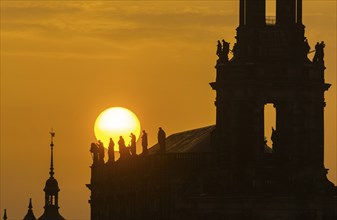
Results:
64 62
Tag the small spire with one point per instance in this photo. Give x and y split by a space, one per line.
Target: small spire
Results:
30 204
30 213
5 215
52 135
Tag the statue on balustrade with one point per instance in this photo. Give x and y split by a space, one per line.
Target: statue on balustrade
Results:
94 152
111 151
144 143
123 150
162 140
133 144
219 49
101 152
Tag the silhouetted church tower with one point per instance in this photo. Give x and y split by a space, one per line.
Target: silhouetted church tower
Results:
227 171
270 65
51 208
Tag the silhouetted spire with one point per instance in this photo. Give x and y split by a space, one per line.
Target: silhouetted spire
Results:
5 215
52 135
30 206
30 215
51 190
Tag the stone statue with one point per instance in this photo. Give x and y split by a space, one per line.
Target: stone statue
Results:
321 51
222 51
94 151
306 47
273 136
265 141
319 54
225 48
144 143
162 140
235 50
111 151
122 148
315 59
101 152
219 49
133 144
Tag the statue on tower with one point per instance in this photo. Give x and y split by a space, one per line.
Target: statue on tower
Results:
319 54
306 48
219 49
225 48
222 51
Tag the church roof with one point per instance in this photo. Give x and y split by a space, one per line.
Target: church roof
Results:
191 141
196 140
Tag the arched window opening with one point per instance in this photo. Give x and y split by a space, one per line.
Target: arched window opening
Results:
270 12
269 123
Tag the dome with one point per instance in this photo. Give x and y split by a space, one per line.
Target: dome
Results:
52 185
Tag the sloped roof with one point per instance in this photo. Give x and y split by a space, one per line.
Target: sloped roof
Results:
196 140
191 141
51 215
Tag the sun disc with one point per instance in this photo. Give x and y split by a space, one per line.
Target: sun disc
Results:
114 122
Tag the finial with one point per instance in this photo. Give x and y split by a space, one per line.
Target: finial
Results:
52 135
30 204
5 215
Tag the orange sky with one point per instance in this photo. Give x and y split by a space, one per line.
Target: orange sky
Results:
63 62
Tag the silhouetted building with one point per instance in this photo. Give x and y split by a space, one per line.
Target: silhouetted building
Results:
51 194
227 171
30 215
51 189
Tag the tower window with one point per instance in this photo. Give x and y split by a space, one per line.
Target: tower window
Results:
269 123
270 12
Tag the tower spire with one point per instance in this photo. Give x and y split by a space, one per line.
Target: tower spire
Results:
5 215
30 215
51 189
52 135
30 206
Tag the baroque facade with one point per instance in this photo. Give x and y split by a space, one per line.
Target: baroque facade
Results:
226 171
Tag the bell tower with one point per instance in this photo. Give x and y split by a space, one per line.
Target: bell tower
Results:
51 207
270 66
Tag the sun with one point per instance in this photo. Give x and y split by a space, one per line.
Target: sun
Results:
114 122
